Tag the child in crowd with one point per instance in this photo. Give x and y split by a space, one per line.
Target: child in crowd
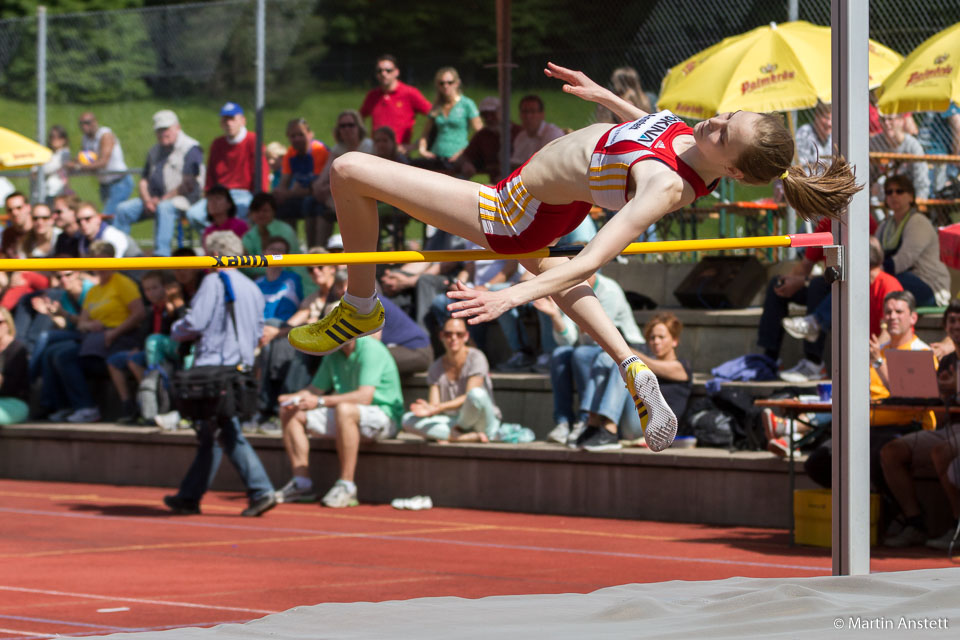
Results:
282 288
158 347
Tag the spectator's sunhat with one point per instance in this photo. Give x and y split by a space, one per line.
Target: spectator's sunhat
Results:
231 109
490 103
164 119
335 242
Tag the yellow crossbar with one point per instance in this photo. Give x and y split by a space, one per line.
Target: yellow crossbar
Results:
391 257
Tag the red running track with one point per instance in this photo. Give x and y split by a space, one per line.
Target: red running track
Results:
80 560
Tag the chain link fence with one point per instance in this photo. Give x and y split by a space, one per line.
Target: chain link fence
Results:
125 65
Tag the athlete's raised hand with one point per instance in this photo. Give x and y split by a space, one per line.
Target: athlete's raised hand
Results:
477 305
576 82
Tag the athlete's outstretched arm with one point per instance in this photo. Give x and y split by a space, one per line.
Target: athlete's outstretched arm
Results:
659 193
579 84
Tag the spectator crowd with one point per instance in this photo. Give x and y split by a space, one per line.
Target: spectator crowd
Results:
99 344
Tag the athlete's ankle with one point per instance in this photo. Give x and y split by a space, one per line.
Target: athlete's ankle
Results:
362 305
626 364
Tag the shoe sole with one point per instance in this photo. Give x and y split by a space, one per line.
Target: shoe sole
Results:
661 423
603 447
352 503
337 348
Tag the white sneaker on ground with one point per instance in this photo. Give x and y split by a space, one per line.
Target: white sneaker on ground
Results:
559 433
416 503
804 371
169 421
575 432
87 414
341 496
802 327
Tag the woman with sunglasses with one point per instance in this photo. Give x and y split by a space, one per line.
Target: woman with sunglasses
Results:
911 245
550 195
350 135
459 405
447 132
42 237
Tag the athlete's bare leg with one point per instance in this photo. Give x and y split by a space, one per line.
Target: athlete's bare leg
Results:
581 305
359 180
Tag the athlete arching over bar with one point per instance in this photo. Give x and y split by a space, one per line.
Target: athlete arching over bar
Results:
550 195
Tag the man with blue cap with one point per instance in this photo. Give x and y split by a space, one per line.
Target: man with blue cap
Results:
231 163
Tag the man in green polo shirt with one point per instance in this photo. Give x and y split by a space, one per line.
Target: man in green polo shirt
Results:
355 395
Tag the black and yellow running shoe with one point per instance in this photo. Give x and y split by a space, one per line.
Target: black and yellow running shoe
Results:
342 325
657 419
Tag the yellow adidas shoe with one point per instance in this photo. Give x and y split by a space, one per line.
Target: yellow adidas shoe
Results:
342 325
657 419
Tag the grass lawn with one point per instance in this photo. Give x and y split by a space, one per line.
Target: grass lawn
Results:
131 121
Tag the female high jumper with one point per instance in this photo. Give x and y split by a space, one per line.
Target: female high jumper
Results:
550 195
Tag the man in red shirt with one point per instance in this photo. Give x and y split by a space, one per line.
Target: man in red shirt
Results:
231 163
393 104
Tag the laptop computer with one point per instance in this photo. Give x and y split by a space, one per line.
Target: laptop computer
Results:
912 377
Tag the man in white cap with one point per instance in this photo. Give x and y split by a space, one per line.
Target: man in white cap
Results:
170 183
231 163
482 155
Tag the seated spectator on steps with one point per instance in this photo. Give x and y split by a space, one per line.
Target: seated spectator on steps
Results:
222 213
55 314
156 346
231 163
447 130
93 228
896 139
111 315
223 337
65 217
459 405
42 237
910 456
19 224
611 401
14 384
482 155
572 361
263 210
799 286
900 315
282 289
536 131
385 145
172 180
911 246
303 163
354 396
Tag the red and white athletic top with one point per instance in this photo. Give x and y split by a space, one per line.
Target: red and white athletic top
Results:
649 138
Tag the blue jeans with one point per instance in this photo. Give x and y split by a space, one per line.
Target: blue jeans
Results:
43 341
920 289
215 437
197 213
569 372
816 296
116 192
612 400
64 381
167 218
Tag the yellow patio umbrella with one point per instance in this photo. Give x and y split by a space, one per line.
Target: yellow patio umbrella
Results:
17 151
777 67
929 79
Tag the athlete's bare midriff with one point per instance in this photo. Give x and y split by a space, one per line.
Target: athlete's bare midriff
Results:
559 172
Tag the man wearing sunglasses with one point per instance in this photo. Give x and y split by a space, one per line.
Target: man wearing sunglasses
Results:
895 139
393 104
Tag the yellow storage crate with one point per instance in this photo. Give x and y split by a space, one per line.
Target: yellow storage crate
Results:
813 517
